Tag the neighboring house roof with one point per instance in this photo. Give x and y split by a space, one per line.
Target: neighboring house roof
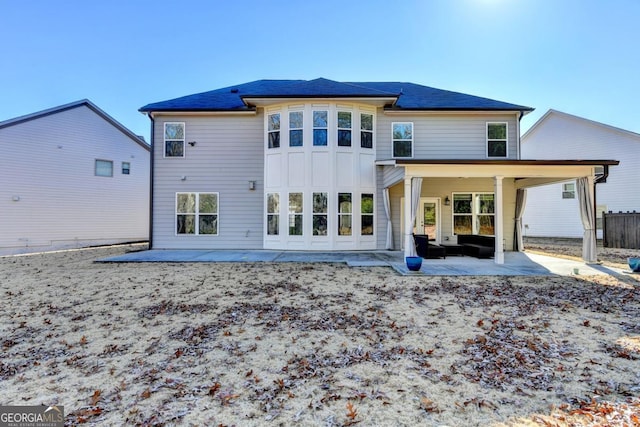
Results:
399 96
83 102
553 112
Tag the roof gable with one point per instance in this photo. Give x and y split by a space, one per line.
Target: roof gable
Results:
77 104
555 113
403 96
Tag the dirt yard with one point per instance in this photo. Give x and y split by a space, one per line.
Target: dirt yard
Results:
315 344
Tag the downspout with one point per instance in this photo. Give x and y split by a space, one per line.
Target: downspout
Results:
518 133
151 182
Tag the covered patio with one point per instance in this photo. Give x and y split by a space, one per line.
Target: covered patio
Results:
510 179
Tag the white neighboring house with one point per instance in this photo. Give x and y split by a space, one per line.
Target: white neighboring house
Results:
552 210
72 176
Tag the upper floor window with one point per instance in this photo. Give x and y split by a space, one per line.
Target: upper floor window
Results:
320 128
174 139
496 140
126 168
295 129
402 139
273 127
366 130
104 168
344 129
569 190
197 213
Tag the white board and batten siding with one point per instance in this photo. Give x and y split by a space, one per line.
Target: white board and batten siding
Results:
559 135
50 197
227 154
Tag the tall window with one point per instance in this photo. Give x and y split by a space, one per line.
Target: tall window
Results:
295 128
344 214
273 128
496 140
320 128
104 168
474 213
197 213
366 130
173 139
366 214
273 214
344 129
320 211
569 190
402 139
295 214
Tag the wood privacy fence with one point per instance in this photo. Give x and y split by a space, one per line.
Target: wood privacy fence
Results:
621 230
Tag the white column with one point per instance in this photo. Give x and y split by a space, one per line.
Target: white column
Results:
408 238
498 257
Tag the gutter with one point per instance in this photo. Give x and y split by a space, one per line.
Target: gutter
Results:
151 137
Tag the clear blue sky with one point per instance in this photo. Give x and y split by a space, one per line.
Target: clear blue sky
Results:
578 56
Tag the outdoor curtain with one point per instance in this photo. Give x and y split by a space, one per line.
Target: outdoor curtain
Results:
387 211
585 198
521 200
416 189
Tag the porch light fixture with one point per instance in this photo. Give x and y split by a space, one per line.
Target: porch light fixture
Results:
447 202
252 185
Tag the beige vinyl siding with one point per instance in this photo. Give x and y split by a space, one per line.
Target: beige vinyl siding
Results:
446 136
48 164
227 155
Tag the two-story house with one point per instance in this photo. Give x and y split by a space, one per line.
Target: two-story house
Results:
326 165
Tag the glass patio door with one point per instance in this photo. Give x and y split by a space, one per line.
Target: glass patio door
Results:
428 218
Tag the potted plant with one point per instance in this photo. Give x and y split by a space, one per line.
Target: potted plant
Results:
634 264
414 262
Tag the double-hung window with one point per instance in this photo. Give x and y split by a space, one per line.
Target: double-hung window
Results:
295 128
273 129
126 168
104 168
569 190
197 213
320 211
473 213
320 125
295 214
344 129
496 140
366 214
366 130
273 214
173 139
402 135
345 213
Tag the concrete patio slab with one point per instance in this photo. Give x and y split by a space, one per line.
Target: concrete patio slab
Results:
516 263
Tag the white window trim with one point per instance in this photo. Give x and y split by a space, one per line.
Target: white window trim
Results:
277 214
372 131
197 214
95 168
412 139
570 194
128 169
474 214
372 215
290 128
325 128
279 130
486 134
184 139
338 129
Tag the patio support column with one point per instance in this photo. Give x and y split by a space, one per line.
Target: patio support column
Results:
408 226
498 257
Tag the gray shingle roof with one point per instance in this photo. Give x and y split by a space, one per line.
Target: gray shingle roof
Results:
408 96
